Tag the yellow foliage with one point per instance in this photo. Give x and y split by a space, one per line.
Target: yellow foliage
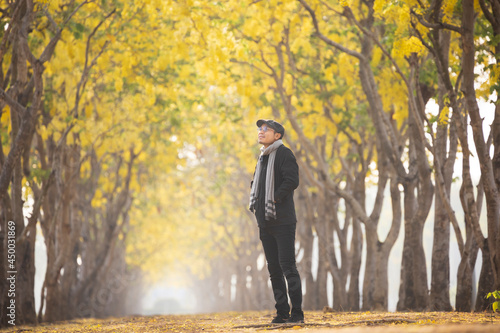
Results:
444 116
347 69
5 116
448 7
405 47
377 56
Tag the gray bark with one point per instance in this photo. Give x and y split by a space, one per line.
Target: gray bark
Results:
440 267
306 239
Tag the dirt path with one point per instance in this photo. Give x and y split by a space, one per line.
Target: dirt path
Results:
316 322
455 328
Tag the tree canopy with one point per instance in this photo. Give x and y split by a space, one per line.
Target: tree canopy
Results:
128 131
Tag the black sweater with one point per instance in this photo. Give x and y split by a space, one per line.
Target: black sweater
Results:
286 180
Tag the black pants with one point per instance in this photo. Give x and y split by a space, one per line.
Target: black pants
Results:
279 247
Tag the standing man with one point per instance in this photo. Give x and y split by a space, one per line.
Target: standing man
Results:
271 200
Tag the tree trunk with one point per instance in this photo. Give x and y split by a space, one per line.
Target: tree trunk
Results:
381 288
61 238
440 266
353 296
321 289
327 255
372 261
406 292
465 279
413 287
23 119
4 287
306 239
5 296
486 282
492 14
493 18
381 293
25 284
486 165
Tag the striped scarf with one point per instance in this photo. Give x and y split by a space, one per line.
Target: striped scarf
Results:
270 210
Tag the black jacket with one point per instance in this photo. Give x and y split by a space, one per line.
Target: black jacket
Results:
286 180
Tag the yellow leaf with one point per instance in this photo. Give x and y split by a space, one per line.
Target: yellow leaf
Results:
444 116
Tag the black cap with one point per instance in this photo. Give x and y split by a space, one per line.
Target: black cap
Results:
277 127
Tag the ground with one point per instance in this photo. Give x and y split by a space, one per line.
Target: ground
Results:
316 322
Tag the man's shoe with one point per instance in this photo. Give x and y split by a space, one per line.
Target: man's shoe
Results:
295 320
279 320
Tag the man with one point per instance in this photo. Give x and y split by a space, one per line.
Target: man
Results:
271 199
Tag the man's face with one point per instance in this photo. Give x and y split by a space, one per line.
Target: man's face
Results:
267 135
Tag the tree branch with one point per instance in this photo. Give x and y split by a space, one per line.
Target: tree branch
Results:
5 37
438 25
251 65
327 40
50 48
489 16
36 208
14 105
